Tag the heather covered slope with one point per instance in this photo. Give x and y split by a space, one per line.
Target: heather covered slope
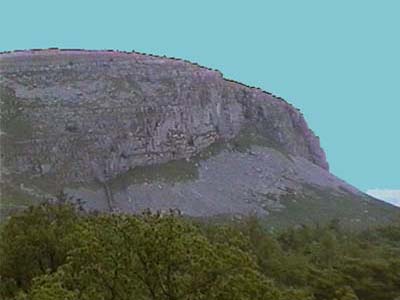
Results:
128 131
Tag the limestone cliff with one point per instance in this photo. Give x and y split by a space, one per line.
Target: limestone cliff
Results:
74 119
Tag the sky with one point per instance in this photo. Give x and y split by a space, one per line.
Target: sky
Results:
337 61
391 196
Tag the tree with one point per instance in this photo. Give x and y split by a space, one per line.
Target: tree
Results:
153 257
31 244
345 293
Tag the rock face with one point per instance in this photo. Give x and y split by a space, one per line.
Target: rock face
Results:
74 119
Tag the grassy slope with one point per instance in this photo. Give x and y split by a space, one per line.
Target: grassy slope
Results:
312 206
316 206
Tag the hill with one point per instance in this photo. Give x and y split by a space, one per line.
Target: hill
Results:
127 132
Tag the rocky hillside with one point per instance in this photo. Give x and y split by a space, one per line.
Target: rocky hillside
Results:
128 131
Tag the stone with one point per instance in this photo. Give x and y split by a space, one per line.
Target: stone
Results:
203 144
45 168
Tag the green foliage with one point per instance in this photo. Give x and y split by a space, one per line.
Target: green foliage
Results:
332 263
315 205
345 293
51 252
31 244
127 257
155 257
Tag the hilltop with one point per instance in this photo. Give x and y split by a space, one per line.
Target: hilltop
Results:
119 131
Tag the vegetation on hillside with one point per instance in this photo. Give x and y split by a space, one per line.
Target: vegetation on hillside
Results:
57 252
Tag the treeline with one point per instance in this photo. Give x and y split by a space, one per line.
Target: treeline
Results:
54 252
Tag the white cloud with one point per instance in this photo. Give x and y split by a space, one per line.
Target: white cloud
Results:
391 196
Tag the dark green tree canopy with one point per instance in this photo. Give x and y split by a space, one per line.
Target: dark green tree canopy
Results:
56 252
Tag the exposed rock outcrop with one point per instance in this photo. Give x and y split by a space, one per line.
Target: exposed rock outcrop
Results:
74 118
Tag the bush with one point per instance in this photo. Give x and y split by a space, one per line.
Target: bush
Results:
52 252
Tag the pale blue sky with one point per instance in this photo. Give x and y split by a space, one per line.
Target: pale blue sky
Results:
338 61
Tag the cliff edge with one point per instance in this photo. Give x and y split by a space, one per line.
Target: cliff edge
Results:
129 131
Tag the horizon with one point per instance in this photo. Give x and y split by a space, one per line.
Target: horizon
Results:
306 63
